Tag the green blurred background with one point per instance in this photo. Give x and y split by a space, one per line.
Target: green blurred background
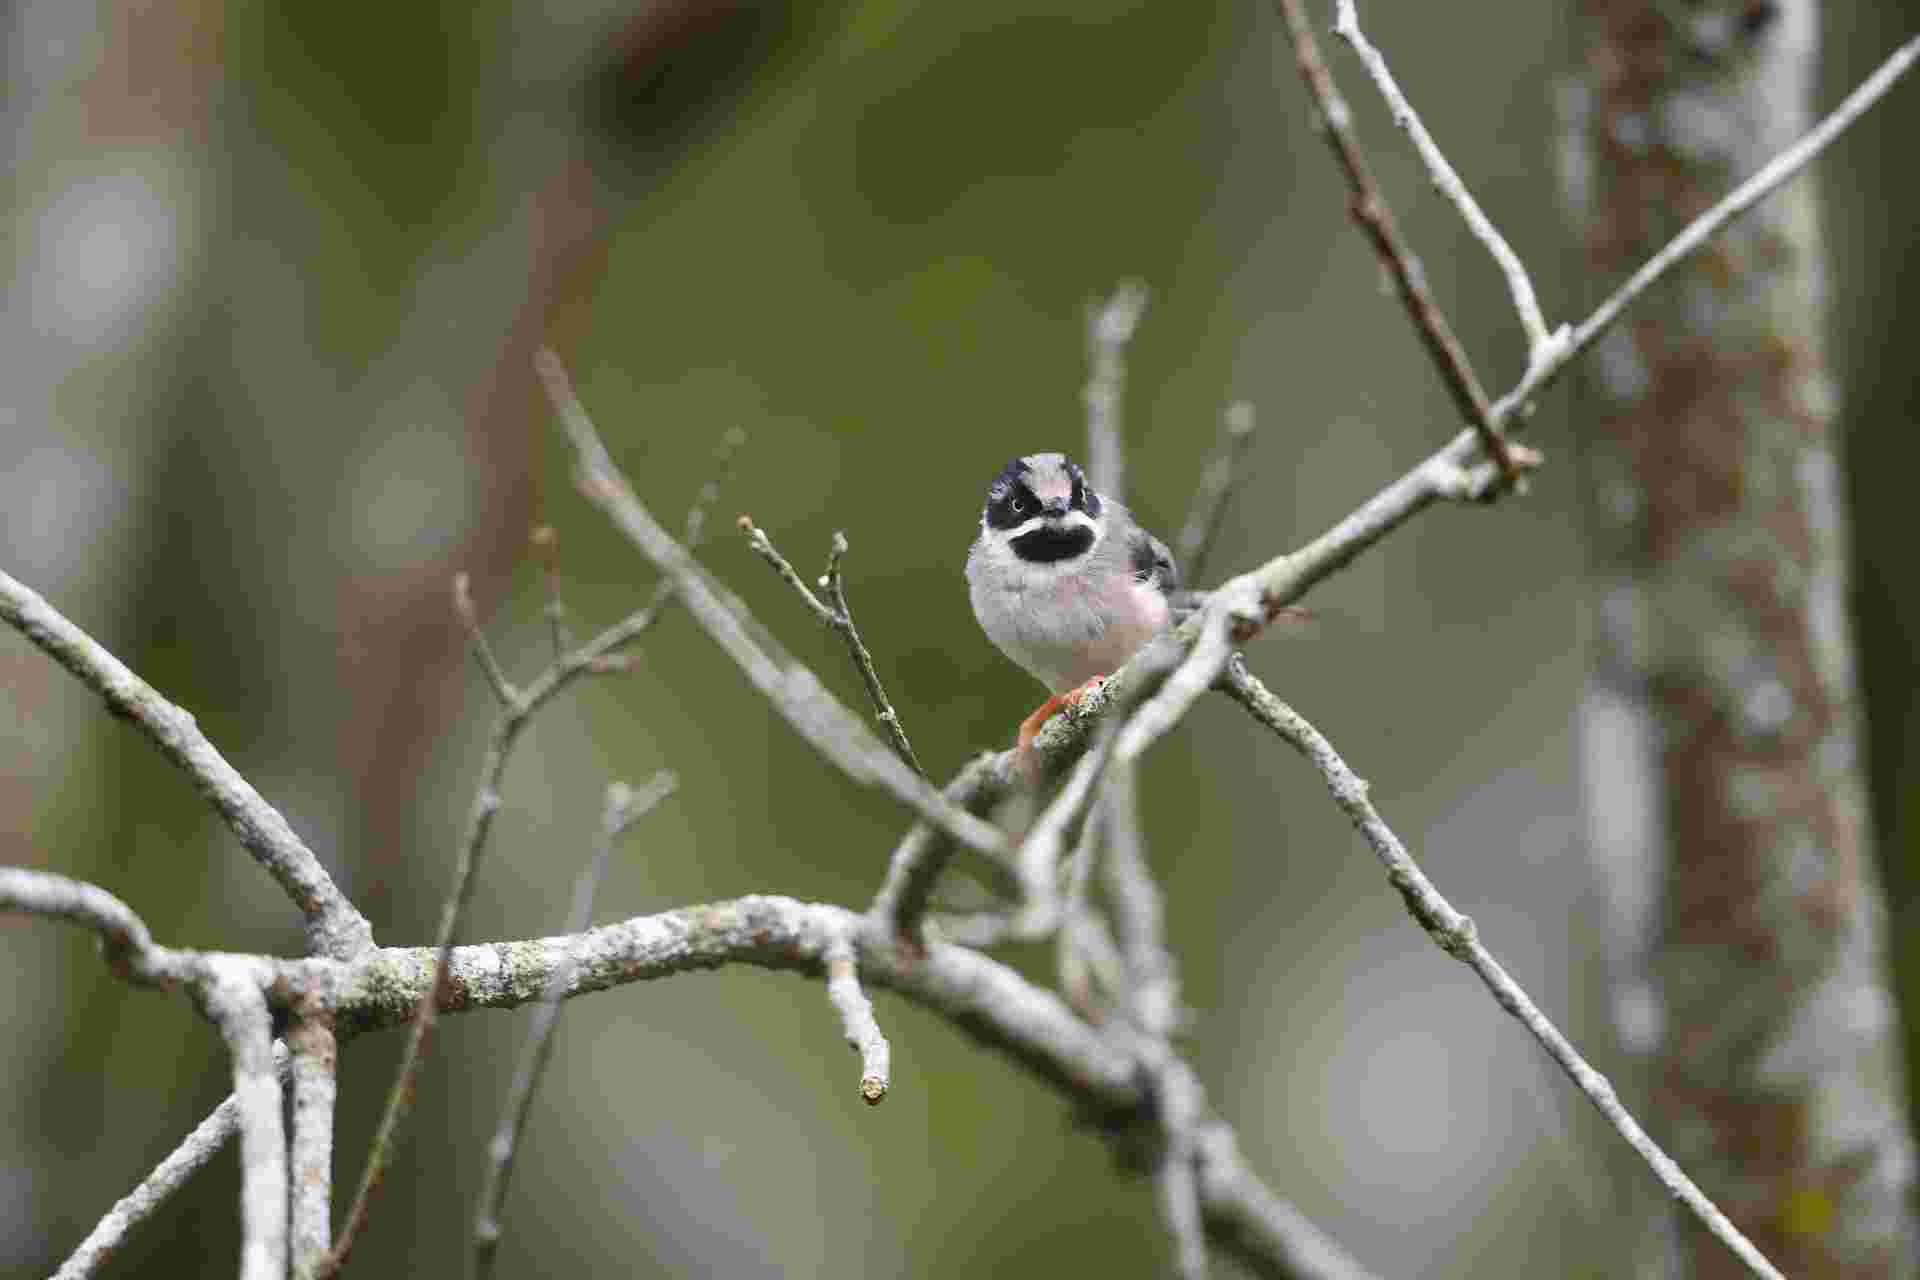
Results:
278 273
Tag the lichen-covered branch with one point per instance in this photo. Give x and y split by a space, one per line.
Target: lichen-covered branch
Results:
334 926
1454 934
195 1151
315 1086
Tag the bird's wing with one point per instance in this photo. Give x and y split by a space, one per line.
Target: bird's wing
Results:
1152 562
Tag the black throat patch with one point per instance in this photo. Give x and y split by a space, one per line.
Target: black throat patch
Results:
1053 542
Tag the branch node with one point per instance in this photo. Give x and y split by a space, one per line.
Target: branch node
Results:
482 652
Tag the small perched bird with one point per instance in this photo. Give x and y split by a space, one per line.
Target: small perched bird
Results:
1063 581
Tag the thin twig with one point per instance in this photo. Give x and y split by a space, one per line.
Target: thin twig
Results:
1525 303
1110 326
834 613
1375 218
1454 933
546 545
1139 914
1771 175
835 585
795 692
195 1151
624 807
520 708
476 636
334 926
311 1042
1224 472
858 1023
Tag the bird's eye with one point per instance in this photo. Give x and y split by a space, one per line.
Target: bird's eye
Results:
1019 504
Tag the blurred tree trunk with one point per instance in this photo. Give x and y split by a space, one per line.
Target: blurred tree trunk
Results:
1726 795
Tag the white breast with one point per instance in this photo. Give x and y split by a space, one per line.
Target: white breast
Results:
1066 627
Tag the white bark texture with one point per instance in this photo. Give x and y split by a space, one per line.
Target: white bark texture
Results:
1726 799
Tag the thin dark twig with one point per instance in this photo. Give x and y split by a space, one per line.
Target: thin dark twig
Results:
1525 304
1370 211
834 614
624 807
835 585
1225 471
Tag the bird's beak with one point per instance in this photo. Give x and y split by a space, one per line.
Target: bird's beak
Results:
1055 507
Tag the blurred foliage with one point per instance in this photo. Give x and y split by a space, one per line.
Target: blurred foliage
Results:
864 231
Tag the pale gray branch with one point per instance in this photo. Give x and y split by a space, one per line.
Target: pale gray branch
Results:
1525 302
238 1008
334 927
795 692
1110 326
1454 933
624 807
315 1085
858 1023
1541 373
194 1152
1224 472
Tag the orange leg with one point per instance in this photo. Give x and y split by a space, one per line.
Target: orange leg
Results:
1030 727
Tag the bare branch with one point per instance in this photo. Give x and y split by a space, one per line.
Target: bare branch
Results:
315 1085
1541 373
1139 916
857 1021
1110 326
1247 1219
1224 472
989 1001
1454 933
835 614
834 583
194 1152
1525 303
795 692
334 927
900 906
520 706
125 943
624 807
240 1011
1370 211
1177 1179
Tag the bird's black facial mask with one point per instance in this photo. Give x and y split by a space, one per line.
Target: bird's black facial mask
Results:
1053 542
1011 500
